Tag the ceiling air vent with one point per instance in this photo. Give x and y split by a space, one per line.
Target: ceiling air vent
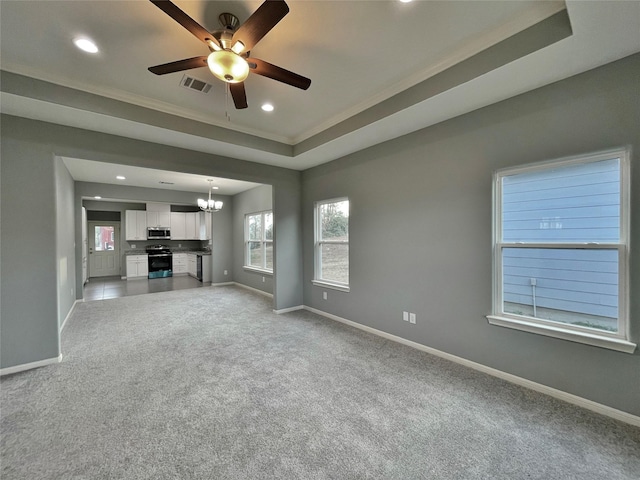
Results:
195 84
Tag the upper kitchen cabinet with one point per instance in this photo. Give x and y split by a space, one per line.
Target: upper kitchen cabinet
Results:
158 219
158 215
136 225
190 226
178 226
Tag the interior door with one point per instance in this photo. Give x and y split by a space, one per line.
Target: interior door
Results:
104 249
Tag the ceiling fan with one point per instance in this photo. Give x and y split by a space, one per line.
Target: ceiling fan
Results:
229 48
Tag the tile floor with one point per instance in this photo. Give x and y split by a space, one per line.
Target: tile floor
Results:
100 288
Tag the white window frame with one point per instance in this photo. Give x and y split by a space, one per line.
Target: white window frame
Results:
613 340
263 243
318 242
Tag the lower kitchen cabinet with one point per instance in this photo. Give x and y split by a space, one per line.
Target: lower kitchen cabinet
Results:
192 264
180 264
137 266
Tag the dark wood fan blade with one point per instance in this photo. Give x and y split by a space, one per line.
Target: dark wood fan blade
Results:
179 65
239 95
186 21
258 25
277 73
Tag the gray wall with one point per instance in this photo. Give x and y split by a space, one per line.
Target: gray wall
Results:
65 247
222 246
255 200
420 229
28 254
29 282
287 252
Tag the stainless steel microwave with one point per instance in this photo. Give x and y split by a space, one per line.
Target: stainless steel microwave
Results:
158 233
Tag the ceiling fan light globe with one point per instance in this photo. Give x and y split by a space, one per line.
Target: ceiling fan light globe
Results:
228 66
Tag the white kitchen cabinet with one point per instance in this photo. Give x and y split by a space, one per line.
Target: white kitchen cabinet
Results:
136 224
192 226
137 266
178 226
180 266
189 226
192 264
158 219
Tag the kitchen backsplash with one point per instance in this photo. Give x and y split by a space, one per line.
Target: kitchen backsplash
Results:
174 245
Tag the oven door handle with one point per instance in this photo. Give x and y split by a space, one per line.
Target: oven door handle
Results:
156 255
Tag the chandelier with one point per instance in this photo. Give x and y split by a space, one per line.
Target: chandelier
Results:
210 206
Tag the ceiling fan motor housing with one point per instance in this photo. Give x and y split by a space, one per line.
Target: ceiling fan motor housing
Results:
229 21
224 36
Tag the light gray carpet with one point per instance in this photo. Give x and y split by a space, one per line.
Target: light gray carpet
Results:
208 383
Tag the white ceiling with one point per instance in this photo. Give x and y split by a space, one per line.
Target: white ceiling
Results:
90 171
358 55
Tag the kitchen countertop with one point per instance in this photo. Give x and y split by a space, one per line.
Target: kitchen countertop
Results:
144 252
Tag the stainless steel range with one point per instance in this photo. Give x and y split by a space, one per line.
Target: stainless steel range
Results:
160 261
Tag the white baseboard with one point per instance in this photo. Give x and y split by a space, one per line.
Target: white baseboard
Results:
29 366
223 284
523 382
69 314
266 294
290 309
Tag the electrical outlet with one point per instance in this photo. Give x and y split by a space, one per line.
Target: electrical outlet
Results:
133 246
226 272
263 279
324 295
412 318
405 316
179 245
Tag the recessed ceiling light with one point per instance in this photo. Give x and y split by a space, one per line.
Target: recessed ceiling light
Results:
86 45
120 177
405 1
267 107
215 188
98 197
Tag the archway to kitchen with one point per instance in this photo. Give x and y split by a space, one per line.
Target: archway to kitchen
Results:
160 208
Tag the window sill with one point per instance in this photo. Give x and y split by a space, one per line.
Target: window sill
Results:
262 271
594 339
334 286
